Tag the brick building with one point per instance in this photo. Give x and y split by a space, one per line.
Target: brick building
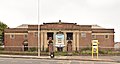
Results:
63 36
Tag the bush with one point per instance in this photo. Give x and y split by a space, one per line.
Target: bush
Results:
87 48
18 53
75 53
1 48
86 52
60 53
103 51
47 50
1 43
33 49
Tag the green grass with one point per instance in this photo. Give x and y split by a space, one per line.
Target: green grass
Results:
84 51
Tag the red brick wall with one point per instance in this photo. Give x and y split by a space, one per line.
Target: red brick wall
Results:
85 41
32 39
105 42
15 44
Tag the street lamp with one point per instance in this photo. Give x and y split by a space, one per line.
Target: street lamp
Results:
38 32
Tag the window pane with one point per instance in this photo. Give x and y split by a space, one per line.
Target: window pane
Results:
106 36
69 36
50 35
93 36
36 34
83 34
12 36
25 36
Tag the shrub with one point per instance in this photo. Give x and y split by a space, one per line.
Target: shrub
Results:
60 53
103 51
75 53
87 48
32 49
47 50
86 52
1 48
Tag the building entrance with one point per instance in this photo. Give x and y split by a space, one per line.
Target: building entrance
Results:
59 41
69 46
25 45
59 49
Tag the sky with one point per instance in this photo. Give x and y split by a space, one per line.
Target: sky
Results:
105 13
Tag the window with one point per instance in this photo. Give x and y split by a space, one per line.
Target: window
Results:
36 34
50 35
25 36
83 34
12 36
93 36
106 36
69 36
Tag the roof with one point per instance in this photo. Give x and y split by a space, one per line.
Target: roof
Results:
60 26
97 26
23 26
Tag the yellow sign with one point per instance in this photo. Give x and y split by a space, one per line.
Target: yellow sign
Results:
95 47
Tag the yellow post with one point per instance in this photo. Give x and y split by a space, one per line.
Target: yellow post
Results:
95 47
92 52
97 50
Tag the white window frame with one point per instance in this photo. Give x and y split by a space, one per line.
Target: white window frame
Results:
12 36
107 36
26 36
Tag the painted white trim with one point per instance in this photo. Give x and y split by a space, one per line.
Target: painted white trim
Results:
86 31
102 33
16 33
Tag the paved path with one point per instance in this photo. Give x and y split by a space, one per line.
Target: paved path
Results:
48 61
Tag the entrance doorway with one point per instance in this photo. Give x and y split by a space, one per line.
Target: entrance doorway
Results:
59 49
69 46
25 45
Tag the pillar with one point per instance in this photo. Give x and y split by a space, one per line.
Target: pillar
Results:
73 43
45 40
65 42
78 35
55 49
41 41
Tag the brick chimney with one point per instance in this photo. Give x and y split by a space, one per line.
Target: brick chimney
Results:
59 20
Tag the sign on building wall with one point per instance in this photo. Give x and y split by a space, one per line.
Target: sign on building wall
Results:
59 40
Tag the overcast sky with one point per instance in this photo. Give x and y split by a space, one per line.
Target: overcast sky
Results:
105 13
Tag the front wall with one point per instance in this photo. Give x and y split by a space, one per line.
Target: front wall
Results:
105 42
78 42
15 44
85 41
32 39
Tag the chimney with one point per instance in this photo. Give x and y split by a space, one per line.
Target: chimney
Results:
59 20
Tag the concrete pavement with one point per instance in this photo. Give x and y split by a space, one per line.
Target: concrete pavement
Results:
80 58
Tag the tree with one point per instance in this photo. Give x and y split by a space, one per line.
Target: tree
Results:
2 27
